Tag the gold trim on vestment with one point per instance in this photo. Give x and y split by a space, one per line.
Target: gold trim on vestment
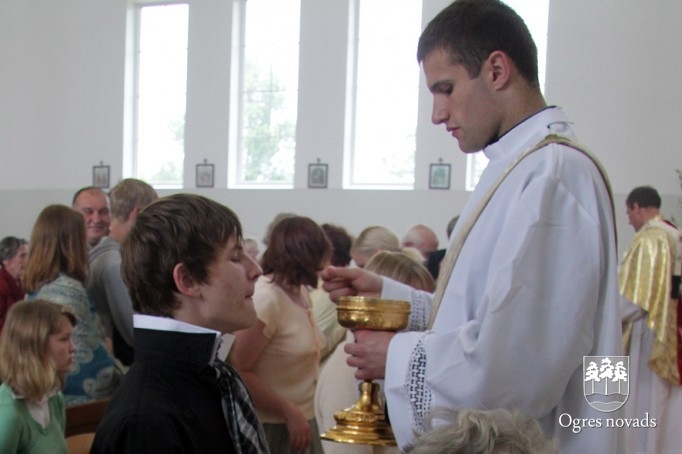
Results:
452 254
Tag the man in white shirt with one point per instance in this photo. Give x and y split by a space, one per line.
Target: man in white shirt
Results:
534 287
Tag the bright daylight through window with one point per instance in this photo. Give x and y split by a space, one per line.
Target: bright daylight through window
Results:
381 111
160 94
381 137
536 14
269 94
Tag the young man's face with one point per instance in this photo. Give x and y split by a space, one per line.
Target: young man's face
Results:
227 303
119 228
95 209
464 105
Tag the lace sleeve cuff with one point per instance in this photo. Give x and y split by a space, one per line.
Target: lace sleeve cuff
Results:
419 310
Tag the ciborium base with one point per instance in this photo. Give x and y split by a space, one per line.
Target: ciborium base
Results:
363 423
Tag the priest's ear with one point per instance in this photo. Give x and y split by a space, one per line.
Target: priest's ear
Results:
184 281
498 69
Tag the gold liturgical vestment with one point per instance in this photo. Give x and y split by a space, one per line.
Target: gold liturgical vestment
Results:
645 279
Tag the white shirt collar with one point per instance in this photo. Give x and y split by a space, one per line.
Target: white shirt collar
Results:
551 119
40 410
223 343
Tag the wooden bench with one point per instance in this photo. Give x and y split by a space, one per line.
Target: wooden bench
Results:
84 418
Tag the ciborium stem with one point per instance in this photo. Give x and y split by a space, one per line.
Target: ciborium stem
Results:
369 397
365 421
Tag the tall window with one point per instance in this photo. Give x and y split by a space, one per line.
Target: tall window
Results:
269 94
380 144
161 94
536 14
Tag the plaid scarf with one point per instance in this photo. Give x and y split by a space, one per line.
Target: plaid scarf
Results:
245 428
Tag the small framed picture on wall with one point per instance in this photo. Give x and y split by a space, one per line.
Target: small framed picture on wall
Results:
317 175
100 176
439 176
204 175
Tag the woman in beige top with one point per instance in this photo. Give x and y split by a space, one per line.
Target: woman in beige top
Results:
278 356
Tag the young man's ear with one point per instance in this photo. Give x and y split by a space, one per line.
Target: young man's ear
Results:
134 212
184 281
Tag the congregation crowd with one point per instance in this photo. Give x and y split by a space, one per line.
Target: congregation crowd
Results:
204 339
73 267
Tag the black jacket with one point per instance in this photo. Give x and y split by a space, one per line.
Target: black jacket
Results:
169 400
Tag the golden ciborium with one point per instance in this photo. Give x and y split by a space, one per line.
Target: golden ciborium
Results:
365 422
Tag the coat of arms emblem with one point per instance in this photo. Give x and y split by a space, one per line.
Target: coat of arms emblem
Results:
605 381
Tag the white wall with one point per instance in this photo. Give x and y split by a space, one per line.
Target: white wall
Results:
612 64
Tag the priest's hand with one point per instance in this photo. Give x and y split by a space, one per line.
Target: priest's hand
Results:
341 281
368 353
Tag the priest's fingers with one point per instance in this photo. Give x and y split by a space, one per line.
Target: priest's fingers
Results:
368 354
372 346
365 370
369 374
356 352
337 294
339 282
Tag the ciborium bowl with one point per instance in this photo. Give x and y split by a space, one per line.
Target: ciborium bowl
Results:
359 312
365 422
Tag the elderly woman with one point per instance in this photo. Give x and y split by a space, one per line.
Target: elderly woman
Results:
13 252
278 356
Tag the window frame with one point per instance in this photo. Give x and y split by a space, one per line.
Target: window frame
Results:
236 154
132 157
351 108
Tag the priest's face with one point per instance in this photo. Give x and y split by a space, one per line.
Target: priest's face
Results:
635 216
465 105
226 298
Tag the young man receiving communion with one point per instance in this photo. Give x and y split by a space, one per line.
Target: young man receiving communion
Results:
190 282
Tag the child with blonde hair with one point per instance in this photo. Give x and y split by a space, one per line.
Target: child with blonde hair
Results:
36 353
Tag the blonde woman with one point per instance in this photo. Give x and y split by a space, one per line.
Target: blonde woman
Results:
55 271
371 240
405 267
36 352
337 388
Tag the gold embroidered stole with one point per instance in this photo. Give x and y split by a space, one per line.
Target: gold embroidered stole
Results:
455 248
645 280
